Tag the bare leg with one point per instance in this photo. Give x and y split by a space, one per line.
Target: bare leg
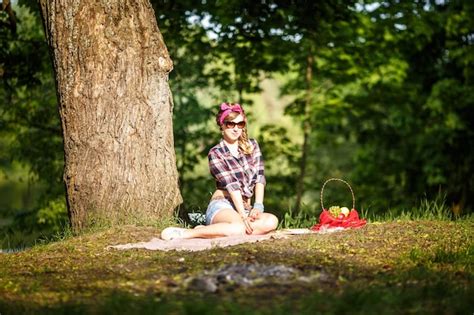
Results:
215 230
225 223
265 223
228 222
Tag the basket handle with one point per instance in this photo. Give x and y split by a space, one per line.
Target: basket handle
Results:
339 180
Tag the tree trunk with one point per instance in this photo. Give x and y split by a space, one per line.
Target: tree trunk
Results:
306 130
111 67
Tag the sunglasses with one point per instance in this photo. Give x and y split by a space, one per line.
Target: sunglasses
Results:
231 124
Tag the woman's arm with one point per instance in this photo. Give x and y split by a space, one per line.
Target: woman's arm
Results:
258 204
239 205
238 202
259 192
260 181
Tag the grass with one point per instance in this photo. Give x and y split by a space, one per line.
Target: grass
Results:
428 209
303 219
422 266
15 239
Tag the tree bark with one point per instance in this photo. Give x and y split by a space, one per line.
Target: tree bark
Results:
6 6
111 68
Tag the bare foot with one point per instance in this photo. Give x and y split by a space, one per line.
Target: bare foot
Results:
171 233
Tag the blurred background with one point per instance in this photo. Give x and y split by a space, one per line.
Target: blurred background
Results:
378 93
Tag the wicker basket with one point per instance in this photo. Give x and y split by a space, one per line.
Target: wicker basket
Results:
338 180
327 219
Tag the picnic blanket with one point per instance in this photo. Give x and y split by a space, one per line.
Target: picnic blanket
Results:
198 244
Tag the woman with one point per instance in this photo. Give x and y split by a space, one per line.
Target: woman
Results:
237 166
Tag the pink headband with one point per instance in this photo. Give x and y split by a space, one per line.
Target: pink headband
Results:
226 109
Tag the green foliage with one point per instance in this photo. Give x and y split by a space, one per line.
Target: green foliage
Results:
303 219
53 215
426 209
280 156
391 107
30 122
405 120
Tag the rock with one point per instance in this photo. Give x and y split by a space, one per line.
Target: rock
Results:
244 275
324 277
206 284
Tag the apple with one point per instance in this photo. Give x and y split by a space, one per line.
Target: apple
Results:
345 211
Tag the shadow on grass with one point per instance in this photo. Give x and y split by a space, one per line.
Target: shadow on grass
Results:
418 290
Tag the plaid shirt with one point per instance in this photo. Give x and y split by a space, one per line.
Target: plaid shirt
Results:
233 173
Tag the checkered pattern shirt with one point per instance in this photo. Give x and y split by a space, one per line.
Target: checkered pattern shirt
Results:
241 173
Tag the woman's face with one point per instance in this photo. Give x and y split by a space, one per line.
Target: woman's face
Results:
232 129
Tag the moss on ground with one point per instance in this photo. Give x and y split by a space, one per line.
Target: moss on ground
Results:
393 267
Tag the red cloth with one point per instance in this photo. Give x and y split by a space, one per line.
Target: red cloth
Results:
326 220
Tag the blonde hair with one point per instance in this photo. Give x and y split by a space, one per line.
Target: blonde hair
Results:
244 144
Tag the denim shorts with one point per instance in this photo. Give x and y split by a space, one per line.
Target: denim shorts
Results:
215 206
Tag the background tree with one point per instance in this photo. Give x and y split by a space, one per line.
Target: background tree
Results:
412 113
390 109
308 31
31 154
111 67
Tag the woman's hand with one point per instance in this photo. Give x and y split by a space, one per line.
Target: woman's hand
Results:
254 214
248 228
